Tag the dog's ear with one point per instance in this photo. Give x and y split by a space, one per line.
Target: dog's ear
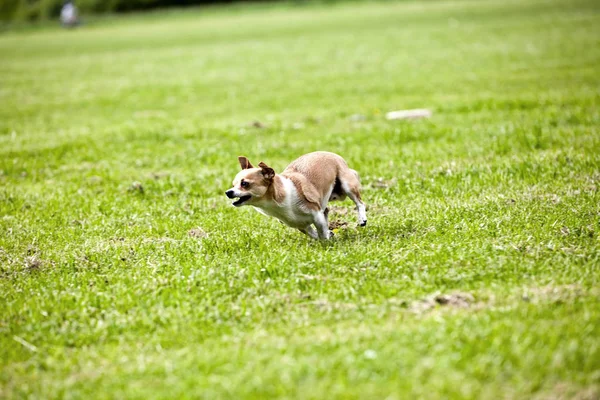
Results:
244 162
268 172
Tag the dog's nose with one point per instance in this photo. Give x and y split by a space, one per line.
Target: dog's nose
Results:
230 194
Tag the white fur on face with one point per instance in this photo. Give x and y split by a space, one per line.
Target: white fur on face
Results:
257 186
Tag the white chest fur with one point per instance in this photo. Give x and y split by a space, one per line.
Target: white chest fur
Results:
291 210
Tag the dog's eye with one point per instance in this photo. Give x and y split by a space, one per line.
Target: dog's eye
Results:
245 184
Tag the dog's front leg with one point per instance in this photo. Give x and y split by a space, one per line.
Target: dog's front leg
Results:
322 225
310 232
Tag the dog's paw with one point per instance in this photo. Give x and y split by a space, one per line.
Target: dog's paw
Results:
362 223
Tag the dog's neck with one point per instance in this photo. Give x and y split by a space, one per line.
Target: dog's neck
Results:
276 190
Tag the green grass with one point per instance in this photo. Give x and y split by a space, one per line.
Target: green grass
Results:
494 200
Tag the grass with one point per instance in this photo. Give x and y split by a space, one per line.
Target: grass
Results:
125 272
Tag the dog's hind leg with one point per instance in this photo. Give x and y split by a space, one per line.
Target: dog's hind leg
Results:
350 183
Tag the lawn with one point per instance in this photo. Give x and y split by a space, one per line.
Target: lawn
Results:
126 273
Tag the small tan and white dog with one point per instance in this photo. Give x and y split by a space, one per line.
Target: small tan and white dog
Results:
298 196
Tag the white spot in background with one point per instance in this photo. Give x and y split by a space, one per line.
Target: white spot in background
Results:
370 354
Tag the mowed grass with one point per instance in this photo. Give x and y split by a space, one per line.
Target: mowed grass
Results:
126 273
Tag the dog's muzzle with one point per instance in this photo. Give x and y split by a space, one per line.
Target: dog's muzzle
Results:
241 199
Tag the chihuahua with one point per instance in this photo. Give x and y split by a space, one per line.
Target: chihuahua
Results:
298 196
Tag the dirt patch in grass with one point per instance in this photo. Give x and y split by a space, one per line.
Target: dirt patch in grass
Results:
339 210
257 124
465 300
136 187
553 293
452 300
33 263
567 391
381 183
160 240
337 224
198 233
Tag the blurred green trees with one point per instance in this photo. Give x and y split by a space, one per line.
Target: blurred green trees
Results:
32 10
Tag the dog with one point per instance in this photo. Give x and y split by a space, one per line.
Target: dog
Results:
298 196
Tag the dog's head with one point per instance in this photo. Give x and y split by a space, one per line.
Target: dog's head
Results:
250 184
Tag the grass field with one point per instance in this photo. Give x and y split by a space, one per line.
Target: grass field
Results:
126 273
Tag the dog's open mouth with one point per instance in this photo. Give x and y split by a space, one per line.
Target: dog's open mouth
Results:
241 200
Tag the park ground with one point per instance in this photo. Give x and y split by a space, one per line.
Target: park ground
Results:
126 273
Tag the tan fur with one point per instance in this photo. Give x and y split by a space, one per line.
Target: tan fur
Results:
245 163
275 192
299 195
312 165
258 184
306 191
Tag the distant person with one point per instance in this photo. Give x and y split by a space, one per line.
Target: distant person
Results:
68 14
